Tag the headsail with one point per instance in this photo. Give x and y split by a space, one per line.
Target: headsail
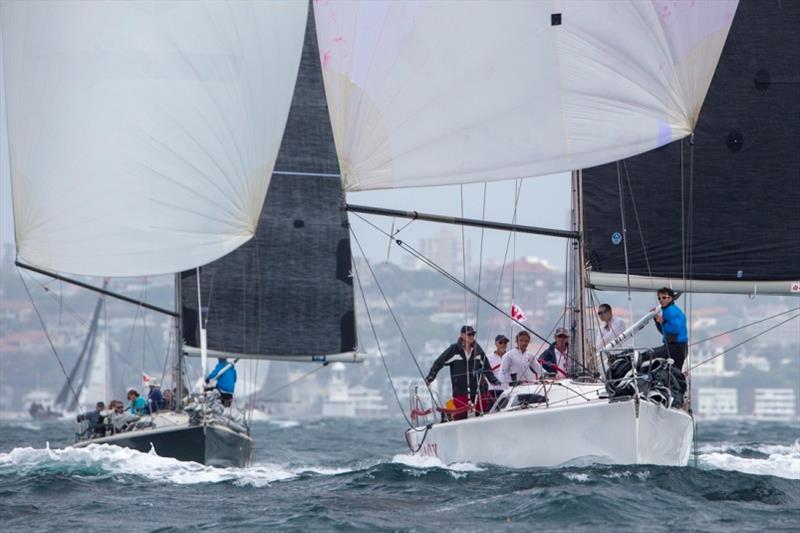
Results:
142 135
435 93
740 225
287 294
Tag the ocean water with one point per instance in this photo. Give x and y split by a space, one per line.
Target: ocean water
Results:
349 475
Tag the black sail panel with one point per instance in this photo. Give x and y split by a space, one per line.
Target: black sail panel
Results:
288 292
739 216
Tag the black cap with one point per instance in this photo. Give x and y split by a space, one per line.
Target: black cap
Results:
467 329
501 337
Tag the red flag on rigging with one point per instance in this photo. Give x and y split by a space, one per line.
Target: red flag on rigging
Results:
517 314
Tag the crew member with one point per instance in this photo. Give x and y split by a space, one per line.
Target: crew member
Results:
519 365
555 359
671 323
496 360
225 375
467 362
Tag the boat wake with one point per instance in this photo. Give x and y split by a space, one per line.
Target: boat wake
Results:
759 459
101 461
424 462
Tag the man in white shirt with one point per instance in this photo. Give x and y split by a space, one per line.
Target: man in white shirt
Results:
610 326
496 360
519 365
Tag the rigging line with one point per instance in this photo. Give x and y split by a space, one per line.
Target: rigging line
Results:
624 237
133 327
517 192
464 258
378 344
287 385
690 299
70 310
746 326
450 277
745 341
407 224
636 217
389 307
480 261
47 335
389 241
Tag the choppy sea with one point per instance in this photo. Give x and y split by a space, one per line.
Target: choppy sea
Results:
349 475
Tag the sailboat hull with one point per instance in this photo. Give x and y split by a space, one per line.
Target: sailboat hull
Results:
211 445
599 431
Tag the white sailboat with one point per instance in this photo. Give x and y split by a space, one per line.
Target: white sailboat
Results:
142 140
428 94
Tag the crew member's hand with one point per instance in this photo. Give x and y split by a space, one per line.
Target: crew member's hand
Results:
659 319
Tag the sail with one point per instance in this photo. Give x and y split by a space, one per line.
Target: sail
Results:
436 93
736 218
142 135
287 294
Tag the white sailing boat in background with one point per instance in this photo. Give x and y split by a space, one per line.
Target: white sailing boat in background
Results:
142 139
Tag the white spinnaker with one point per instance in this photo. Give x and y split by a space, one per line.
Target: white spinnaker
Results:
434 93
143 135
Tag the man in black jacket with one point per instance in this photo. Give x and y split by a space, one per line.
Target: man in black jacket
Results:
468 363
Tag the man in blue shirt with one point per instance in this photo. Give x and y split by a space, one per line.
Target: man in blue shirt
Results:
671 323
225 374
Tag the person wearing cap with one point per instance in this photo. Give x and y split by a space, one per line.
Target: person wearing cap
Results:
519 365
468 364
671 323
610 328
155 399
496 360
555 359
94 420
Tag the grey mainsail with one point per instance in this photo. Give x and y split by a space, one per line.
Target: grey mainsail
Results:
736 222
286 294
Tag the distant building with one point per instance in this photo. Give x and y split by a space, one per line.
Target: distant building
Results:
714 367
774 404
757 362
717 403
351 402
446 250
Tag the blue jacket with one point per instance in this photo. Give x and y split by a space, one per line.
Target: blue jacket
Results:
138 406
155 399
227 381
674 327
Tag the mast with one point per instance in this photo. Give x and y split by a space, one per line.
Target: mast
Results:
177 370
577 328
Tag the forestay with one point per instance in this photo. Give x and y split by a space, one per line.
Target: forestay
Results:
142 135
287 294
732 225
433 93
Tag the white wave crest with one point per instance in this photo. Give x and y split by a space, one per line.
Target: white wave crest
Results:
284 424
425 462
777 464
738 448
113 460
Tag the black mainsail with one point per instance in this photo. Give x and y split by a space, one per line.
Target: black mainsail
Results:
286 294
734 227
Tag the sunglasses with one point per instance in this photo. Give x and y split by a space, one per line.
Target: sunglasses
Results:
502 342
567 336
664 297
471 334
601 313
